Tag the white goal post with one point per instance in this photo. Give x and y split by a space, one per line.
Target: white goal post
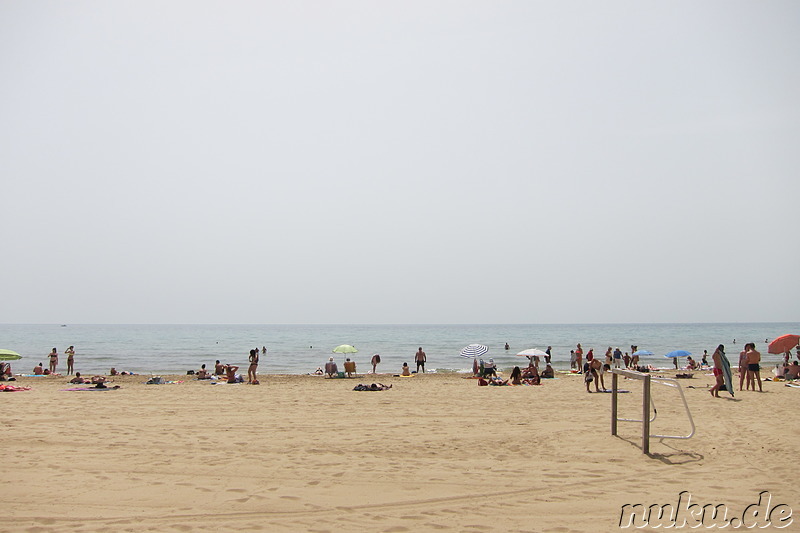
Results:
647 401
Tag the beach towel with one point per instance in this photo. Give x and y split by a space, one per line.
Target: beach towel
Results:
115 387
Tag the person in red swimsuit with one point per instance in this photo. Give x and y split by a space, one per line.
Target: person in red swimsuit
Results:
717 371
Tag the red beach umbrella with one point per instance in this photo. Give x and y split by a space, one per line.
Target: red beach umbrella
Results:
783 344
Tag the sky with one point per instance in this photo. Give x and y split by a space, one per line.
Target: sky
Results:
399 162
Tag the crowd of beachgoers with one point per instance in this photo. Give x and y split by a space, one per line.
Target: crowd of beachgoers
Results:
539 367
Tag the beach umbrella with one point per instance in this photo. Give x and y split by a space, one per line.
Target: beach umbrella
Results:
344 348
783 344
677 353
474 350
532 352
9 355
643 352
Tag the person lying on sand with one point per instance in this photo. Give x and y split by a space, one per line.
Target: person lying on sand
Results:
373 387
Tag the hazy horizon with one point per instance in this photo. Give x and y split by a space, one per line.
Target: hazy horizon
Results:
440 162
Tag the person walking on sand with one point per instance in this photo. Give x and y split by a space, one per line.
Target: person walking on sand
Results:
251 370
753 367
53 361
420 359
70 359
720 379
374 361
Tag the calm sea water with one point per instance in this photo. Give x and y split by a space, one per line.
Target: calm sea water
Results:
300 349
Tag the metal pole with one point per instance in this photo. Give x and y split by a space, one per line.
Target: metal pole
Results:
646 416
614 378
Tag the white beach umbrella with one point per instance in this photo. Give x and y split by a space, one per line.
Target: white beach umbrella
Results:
532 352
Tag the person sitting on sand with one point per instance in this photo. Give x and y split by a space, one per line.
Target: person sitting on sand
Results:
113 371
330 368
516 376
490 368
406 371
203 373
78 379
97 380
548 372
691 364
231 375
219 368
792 371
38 370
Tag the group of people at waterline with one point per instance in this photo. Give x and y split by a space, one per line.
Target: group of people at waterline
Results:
749 366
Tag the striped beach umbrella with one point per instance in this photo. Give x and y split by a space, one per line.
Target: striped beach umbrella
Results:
474 350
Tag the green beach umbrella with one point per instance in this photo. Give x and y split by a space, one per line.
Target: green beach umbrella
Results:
344 348
8 355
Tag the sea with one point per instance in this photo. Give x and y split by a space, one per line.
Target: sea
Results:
301 349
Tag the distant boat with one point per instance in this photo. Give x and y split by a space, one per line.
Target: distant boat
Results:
63 325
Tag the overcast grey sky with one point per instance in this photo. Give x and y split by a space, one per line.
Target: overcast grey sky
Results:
399 162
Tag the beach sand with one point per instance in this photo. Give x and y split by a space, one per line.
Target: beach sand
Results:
436 452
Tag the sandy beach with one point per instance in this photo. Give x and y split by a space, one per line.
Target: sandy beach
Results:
436 452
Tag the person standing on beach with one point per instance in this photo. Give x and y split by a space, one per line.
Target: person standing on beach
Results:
374 361
742 367
720 379
251 370
53 361
572 360
753 366
70 359
549 356
420 359
579 358
618 358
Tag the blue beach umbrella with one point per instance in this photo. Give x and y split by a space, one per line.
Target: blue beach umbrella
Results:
677 353
643 352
